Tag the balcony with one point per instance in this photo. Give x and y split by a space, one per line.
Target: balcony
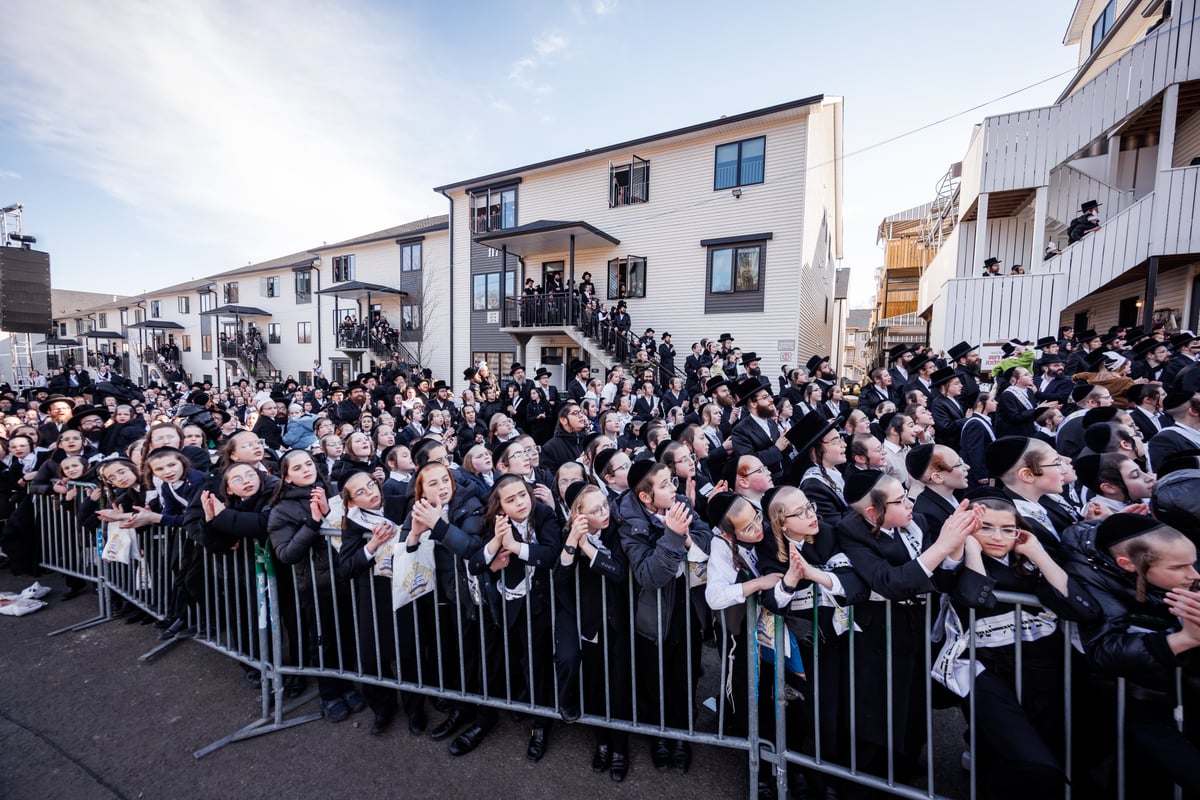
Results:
1019 150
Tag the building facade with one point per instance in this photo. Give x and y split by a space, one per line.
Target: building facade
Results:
1125 132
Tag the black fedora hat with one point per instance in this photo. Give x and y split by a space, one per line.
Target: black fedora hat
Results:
1045 342
943 375
808 430
744 389
815 362
959 350
1089 205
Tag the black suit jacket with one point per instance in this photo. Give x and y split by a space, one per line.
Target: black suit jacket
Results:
749 439
948 419
870 397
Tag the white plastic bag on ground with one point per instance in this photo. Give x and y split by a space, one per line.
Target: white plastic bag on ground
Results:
26 602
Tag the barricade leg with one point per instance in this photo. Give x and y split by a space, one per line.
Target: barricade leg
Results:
270 641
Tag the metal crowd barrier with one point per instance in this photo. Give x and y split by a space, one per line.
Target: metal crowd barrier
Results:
270 618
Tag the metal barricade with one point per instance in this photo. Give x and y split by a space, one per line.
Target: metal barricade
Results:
72 551
464 642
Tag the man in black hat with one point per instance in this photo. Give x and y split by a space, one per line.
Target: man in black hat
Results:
354 406
1187 350
1053 383
922 369
580 375
666 360
58 414
720 393
542 381
695 359
964 358
751 365
900 357
647 342
757 433
1085 223
516 376
991 267
441 401
1184 409
724 345
1089 341
821 371
948 415
620 323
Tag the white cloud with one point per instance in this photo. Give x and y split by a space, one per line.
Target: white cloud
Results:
225 122
8 173
549 44
603 7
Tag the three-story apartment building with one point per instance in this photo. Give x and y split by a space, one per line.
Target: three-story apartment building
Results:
1125 133
732 225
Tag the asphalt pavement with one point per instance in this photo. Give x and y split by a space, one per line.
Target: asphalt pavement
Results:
82 717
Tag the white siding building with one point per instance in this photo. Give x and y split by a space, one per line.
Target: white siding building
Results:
761 190
1126 133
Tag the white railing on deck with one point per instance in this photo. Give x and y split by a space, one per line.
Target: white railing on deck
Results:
943 267
1070 189
1018 150
994 309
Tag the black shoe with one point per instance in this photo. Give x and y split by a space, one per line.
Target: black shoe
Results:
335 710
569 714
172 630
620 766
136 617
660 754
443 705
448 727
537 744
417 722
253 677
468 740
767 790
383 720
73 592
354 701
294 686
601 758
681 757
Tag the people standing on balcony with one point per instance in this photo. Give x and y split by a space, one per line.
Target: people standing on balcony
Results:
991 267
1087 222
621 323
1052 250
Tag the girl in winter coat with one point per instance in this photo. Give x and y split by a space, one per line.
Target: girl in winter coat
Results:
226 524
592 624
451 514
359 456
522 540
298 508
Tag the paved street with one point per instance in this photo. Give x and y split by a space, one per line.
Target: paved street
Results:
81 717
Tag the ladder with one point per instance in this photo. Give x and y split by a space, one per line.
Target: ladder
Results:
21 348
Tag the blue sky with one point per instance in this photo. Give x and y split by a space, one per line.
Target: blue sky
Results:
155 142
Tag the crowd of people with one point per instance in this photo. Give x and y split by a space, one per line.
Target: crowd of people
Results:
589 539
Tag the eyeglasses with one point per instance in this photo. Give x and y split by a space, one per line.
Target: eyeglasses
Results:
686 460
951 467
369 489
752 526
803 512
1003 533
528 451
578 412
239 480
899 502
1057 463
763 468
